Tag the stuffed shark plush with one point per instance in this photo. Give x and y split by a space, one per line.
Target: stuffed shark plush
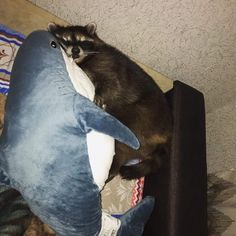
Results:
47 146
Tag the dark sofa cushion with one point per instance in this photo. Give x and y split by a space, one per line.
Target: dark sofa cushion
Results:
180 187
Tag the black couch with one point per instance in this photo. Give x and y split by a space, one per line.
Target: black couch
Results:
180 187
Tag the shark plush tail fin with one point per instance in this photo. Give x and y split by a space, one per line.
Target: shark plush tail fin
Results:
134 220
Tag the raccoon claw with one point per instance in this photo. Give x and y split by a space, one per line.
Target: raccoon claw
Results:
100 103
104 106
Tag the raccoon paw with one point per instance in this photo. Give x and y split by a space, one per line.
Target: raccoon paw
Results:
99 101
129 173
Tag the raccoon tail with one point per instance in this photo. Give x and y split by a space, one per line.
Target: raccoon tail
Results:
15 215
150 164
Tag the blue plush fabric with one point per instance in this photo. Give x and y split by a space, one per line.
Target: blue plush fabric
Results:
43 150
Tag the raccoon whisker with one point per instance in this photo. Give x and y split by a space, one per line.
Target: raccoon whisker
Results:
62 45
91 52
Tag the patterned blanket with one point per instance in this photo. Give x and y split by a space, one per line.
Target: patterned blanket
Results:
10 42
222 203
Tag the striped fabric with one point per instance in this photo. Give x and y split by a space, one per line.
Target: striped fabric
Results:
10 42
137 192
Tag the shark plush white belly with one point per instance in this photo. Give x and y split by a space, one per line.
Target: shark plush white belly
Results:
101 147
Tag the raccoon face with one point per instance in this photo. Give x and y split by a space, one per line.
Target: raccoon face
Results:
77 41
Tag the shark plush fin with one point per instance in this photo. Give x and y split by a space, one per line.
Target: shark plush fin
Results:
91 117
134 220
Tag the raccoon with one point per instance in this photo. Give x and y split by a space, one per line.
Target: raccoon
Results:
125 91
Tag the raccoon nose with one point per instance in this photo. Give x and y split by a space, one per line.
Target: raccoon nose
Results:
75 50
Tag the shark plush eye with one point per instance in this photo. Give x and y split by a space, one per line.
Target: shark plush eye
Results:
53 44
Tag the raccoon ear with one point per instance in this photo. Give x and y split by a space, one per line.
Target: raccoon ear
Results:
52 27
91 28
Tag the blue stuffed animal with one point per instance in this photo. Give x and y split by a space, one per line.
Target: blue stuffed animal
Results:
44 148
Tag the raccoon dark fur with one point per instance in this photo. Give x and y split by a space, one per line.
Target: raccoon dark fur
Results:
125 91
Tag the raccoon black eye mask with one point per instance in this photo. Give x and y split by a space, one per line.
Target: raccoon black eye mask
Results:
74 44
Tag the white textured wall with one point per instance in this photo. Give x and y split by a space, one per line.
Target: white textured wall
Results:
193 41
221 138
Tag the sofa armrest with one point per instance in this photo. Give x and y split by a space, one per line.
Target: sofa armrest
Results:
180 187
